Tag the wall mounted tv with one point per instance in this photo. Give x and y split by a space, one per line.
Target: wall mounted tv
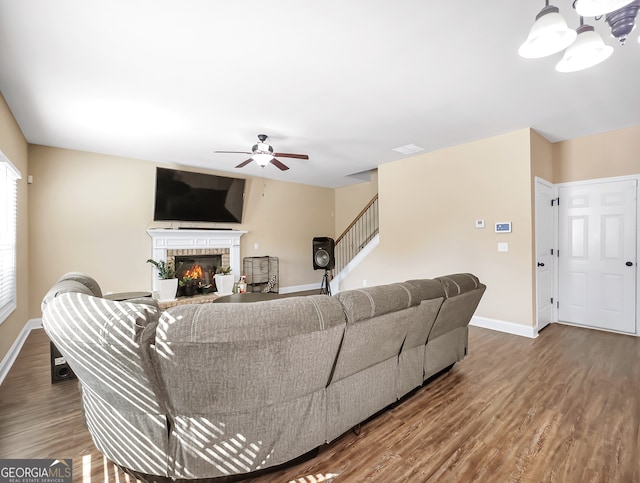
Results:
188 196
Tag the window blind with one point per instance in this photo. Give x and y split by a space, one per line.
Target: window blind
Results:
9 177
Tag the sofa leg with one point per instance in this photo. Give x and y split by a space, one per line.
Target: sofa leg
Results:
357 429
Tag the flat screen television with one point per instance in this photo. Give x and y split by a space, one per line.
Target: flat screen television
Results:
188 196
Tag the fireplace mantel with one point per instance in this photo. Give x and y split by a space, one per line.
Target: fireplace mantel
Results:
169 239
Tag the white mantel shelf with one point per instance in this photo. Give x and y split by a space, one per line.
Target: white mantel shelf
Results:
170 239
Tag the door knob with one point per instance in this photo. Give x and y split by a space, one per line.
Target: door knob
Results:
540 264
629 264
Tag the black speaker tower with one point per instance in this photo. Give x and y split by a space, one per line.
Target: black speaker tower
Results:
323 253
324 259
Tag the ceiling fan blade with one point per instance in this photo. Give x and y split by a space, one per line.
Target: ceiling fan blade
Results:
233 152
244 163
289 155
279 165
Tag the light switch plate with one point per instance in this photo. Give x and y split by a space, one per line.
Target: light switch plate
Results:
503 227
503 247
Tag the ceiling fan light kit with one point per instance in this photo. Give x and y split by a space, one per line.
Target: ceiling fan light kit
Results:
262 152
262 158
583 47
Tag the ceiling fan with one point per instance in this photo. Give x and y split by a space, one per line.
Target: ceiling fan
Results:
262 153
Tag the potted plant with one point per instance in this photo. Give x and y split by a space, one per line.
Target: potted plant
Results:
167 285
189 285
224 280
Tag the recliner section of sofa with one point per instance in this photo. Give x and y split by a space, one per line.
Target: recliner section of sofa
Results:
364 380
448 340
411 359
108 344
201 391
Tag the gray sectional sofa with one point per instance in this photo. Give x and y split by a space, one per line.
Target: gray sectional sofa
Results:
211 390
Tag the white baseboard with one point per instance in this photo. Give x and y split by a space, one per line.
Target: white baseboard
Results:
301 288
15 348
504 326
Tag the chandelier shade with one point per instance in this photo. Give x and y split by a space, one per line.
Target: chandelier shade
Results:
595 8
588 50
549 35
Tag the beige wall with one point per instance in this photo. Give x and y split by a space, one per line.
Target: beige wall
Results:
282 218
615 153
428 207
14 147
350 200
90 212
542 158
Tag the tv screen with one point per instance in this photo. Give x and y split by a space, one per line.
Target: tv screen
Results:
187 196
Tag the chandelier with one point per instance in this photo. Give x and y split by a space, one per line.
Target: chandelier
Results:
583 47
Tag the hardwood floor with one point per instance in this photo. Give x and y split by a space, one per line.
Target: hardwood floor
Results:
564 407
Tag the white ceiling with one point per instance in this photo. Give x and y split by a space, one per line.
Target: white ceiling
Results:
342 81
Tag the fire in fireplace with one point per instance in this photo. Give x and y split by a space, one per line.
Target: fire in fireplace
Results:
195 273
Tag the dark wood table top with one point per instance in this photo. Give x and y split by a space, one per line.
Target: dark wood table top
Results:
121 296
247 297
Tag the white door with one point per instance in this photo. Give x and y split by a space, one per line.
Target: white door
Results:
545 255
597 263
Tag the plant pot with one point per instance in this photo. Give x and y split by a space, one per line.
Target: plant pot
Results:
224 284
167 288
190 289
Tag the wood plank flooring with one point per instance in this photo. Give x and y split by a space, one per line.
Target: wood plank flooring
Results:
564 407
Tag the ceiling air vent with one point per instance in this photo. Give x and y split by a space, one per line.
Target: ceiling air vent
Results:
408 149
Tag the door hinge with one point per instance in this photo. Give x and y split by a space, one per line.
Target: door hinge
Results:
551 300
555 201
552 251
558 305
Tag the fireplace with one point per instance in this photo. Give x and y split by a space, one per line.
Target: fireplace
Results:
195 269
194 243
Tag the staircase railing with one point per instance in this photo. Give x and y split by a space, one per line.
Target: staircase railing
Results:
361 231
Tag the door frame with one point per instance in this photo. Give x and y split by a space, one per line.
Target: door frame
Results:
637 255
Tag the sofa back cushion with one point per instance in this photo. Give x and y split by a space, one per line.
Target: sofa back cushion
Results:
217 358
365 303
431 294
463 294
